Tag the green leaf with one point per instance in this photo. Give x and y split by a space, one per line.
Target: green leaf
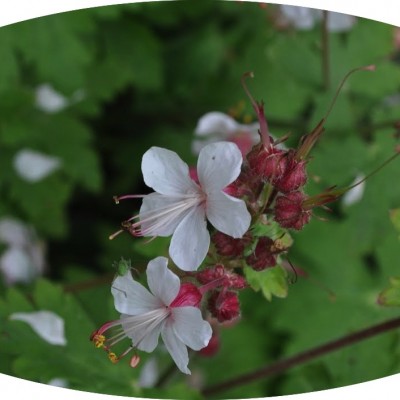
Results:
137 61
70 139
395 218
273 230
83 366
153 248
43 203
8 65
271 281
390 297
173 391
53 44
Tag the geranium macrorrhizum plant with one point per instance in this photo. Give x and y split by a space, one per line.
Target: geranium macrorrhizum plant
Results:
251 203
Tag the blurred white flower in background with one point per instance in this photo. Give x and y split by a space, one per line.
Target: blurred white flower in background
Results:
149 374
33 166
354 195
304 18
46 324
47 99
59 382
24 257
216 127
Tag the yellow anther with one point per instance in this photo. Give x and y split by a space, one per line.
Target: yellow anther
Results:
99 340
113 357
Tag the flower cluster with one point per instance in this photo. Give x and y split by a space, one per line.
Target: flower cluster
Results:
232 217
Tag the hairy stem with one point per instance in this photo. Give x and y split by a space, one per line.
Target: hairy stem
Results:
303 357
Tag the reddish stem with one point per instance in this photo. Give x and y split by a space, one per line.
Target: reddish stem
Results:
259 109
303 357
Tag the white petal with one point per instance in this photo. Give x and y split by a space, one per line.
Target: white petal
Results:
166 173
214 123
338 22
143 332
190 327
162 282
13 232
48 325
198 144
190 241
131 298
33 166
59 382
150 341
49 100
149 374
354 195
218 165
300 17
176 348
17 266
228 214
156 203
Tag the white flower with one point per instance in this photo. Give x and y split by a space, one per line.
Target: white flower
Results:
149 374
304 18
59 382
24 258
216 126
34 166
48 325
50 101
179 206
354 195
145 315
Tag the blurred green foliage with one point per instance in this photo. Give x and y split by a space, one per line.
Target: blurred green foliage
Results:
147 73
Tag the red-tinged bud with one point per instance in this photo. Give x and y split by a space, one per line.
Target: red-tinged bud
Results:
189 295
237 189
227 246
234 281
294 176
221 277
213 346
224 305
268 163
210 274
290 212
263 255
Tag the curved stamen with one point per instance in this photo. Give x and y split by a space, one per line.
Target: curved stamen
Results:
129 325
161 217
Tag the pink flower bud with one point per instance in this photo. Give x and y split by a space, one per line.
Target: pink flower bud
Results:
189 295
263 255
269 163
210 274
294 177
224 305
228 246
221 277
289 211
234 281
